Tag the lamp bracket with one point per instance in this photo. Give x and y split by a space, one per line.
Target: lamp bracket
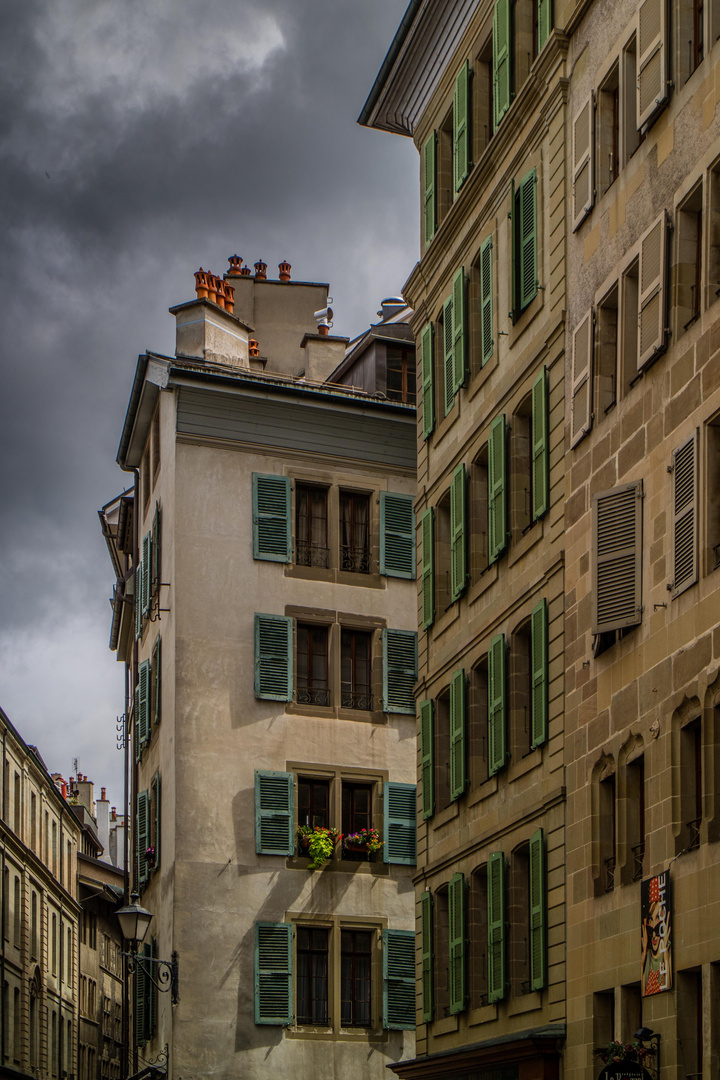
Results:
166 977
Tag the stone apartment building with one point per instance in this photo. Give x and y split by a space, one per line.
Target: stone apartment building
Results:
265 609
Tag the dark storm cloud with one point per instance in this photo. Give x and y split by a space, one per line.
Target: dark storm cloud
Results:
138 140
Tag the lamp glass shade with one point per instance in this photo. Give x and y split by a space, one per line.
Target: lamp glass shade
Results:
134 922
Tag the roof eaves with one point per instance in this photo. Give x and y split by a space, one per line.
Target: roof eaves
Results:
388 63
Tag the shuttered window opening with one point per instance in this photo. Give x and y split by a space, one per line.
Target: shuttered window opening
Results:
429 187
524 230
145 577
458 533
273 973
427 539
426 956
428 381
458 734
145 995
273 657
685 514
539 675
497 977
501 60
427 758
448 354
487 338
272 539
497 705
400 823
397 535
617 558
142 709
652 78
461 127
457 918
137 586
653 290
399 670
497 488
583 162
582 379
544 23
540 447
157 819
155 576
398 980
274 813
142 823
460 331
538 911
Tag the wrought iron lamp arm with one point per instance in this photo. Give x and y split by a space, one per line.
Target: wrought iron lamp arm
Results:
167 973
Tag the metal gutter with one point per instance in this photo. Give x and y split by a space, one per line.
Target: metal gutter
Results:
132 408
392 54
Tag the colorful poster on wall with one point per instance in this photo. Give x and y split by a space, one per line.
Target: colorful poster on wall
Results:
656 934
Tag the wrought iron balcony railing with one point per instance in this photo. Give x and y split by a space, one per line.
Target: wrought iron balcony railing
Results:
307 554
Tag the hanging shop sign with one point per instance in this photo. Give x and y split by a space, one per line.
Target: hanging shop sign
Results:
656 934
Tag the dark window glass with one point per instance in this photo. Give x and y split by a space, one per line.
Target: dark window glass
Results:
313 798
355 532
355 959
356 690
312 976
400 385
312 665
356 815
311 542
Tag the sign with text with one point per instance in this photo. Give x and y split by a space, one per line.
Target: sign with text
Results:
656 934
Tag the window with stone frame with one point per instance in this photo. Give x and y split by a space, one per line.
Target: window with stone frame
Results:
442 751
478 724
313 802
355 532
355 978
518 904
356 669
313 687
312 979
478 933
311 526
688 268
479 522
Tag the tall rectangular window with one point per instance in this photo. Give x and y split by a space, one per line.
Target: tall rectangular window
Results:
635 817
311 526
608 131
313 801
607 833
355 964
356 814
354 532
400 379
312 665
356 687
688 262
312 975
17 805
691 783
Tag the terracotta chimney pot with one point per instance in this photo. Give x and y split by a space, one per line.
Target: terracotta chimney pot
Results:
102 794
201 284
246 272
260 270
253 347
323 330
235 266
284 268
229 297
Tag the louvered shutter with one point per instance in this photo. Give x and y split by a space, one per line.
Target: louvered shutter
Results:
652 78
460 335
397 535
514 256
501 60
427 534
583 162
458 532
582 380
544 23
400 823
429 196
497 490
487 338
138 600
540 446
685 514
273 973
146 569
273 657
157 681
140 1002
456 935
449 354
426 956
399 670
527 239
539 662
151 1007
155 547
458 708
142 820
271 518
617 558
428 384
274 813
143 705
157 814
538 908
496 926
651 334
461 127
427 758
398 980
497 705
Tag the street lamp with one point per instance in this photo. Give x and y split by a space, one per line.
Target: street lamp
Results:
134 922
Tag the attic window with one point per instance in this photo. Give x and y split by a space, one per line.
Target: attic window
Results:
401 374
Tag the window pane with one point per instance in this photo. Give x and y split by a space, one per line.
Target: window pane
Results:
312 665
356 689
355 961
400 384
354 532
356 816
312 977
311 526
313 797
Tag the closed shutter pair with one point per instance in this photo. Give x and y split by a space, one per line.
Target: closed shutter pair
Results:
275 818
145 996
274 976
147 573
147 699
148 803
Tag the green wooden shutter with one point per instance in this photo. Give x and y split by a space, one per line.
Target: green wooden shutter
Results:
496 926
487 337
540 446
273 657
449 354
138 600
497 705
427 758
457 734
398 980
514 275
397 535
400 823
428 382
140 1001
273 973
460 334
539 661
274 813
461 127
157 681
426 956
156 801
427 534
429 189
457 935
399 670
544 22
146 570
272 539
502 75
527 239
458 532
142 701
538 908
142 819
155 547
497 488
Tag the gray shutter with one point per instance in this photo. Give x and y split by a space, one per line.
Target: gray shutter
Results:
273 973
399 670
272 539
274 813
398 980
651 333
617 558
400 823
583 161
397 535
582 379
273 657
652 76
685 514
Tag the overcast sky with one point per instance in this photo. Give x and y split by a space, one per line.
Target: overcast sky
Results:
140 140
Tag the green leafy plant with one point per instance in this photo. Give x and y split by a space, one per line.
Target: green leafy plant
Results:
619 1052
319 843
365 840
